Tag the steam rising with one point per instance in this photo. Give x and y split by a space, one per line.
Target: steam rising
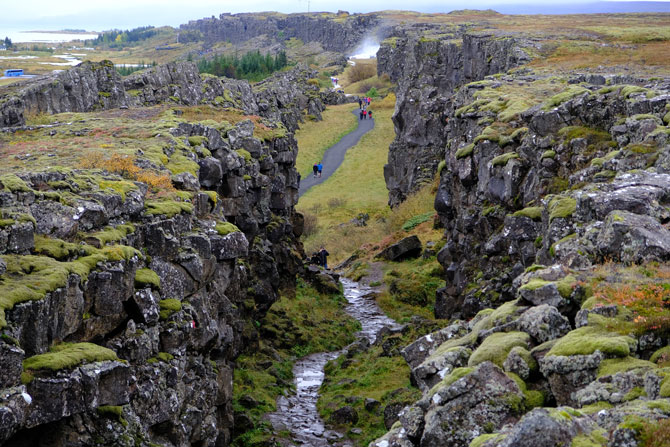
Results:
367 49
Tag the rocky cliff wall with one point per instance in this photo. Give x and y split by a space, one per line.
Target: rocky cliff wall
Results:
334 35
555 198
427 70
97 86
123 306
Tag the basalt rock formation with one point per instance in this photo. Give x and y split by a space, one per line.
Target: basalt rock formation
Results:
341 34
124 300
97 86
554 193
427 69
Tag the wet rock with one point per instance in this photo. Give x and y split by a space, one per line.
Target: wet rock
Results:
186 181
520 362
392 414
210 172
582 317
11 357
344 415
3 266
456 412
567 374
231 246
543 323
432 370
371 404
412 421
634 238
545 428
409 247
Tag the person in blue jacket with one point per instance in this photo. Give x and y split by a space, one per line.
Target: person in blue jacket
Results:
319 167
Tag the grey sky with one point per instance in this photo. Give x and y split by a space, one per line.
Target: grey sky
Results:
94 15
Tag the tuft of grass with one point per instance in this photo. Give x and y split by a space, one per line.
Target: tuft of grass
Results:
68 355
566 95
501 160
465 151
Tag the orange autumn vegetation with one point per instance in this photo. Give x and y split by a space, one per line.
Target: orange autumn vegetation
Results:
649 304
124 165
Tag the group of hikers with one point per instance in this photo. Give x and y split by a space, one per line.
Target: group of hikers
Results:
318 169
320 258
363 104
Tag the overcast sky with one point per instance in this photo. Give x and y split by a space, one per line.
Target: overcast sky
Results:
107 14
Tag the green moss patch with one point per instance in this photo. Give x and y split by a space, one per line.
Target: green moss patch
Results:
566 95
68 355
168 307
501 160
121 187
532 212
244 154
147 277
587 340
561 207
496 347
610 367
224 228
12 183
168 208
465 151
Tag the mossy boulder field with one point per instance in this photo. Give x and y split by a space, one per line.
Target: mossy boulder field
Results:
509 209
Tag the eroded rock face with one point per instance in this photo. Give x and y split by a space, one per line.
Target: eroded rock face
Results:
235 28
427 70
216 263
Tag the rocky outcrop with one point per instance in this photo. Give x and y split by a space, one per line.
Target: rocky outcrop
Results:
427 69
334 35
97 86
122 311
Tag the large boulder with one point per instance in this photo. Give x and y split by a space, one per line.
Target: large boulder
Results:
409 247
482 400
633 238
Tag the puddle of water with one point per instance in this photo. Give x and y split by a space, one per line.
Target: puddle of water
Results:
297 413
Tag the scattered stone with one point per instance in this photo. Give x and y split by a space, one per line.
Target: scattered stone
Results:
409 247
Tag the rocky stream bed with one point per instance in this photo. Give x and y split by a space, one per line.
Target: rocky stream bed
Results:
297 413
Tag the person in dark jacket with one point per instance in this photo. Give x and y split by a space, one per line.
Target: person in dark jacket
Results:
315 168
323 253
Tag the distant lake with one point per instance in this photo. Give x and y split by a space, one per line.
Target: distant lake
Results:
44 37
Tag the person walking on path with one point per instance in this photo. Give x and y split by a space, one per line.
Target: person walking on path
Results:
320 168
315 168
370 114
365 114
361 114
323 255
360 103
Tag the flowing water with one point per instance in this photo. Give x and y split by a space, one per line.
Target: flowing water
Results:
297 413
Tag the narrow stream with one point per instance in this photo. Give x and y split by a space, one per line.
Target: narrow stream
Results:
297 413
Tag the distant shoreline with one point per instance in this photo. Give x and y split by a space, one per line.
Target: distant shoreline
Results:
59 32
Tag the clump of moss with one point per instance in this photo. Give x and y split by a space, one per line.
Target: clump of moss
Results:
244 154
548 154
122 187
147 277
111 234
586 340
465 151
197 140
55 248
628 90
168 208
168 307
561 207
532 212
12 183
501 160
68 355
564 286
566 95
496 347
610 367
224 228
